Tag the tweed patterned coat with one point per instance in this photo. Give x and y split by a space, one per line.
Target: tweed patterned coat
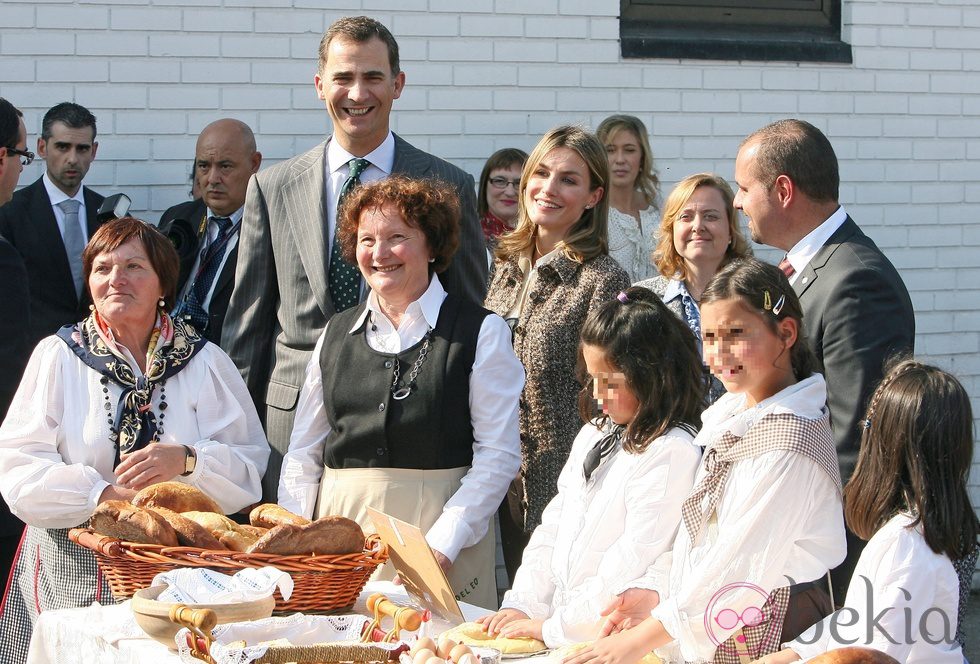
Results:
546 341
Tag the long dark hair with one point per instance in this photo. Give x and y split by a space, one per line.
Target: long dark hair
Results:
916 453
762 287
658 356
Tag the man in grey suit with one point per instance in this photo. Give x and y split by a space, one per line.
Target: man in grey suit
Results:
288 284
856 309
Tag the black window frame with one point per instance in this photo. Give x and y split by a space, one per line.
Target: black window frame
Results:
757 30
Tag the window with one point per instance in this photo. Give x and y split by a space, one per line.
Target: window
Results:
794 30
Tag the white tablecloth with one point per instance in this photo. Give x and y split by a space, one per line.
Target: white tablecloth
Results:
110 634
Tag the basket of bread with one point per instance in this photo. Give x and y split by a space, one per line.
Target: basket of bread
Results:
170 525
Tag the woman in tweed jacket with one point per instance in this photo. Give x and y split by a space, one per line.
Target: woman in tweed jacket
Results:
550 273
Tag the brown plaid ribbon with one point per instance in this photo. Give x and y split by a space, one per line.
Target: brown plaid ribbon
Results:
783 431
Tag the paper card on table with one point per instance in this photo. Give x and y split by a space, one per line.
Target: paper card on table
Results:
417 566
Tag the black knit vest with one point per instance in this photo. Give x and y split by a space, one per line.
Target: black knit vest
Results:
429 430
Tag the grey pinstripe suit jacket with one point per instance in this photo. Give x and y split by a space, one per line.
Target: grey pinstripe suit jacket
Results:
281 302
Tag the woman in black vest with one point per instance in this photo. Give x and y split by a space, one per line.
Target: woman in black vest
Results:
410 399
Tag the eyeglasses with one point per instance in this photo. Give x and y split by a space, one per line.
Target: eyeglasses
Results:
26 156
501 183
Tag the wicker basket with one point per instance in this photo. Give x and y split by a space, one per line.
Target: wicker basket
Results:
321 583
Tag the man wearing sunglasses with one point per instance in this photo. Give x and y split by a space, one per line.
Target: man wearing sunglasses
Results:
50 221
14 349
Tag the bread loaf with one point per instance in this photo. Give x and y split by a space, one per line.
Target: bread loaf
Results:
189 533
117 518
216 524
270 515
176 496
330 535
854 655
238 540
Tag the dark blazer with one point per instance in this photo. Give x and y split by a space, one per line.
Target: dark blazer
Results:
14 347
856 313
281 302
28 222
193 213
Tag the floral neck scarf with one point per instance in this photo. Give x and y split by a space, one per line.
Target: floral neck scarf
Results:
172 344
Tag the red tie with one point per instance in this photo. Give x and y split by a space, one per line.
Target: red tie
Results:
787 267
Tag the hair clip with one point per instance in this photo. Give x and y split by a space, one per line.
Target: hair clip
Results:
623 297
780 303
866 423
766 301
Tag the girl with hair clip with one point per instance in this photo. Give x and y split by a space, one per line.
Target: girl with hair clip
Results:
620 493
766 506
908 495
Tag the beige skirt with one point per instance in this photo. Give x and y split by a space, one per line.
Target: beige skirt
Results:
418 497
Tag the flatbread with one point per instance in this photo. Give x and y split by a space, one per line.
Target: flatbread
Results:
559 654
473 634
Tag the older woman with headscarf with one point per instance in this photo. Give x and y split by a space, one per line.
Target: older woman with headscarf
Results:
409 404
124 399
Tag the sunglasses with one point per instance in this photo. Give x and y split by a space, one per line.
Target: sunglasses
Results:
729 619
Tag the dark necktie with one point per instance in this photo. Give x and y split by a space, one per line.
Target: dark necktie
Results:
206 273
344 279
601 450
787 267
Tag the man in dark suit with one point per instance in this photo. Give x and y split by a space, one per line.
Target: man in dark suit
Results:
206 230
289 283
14 348
50 221
856 310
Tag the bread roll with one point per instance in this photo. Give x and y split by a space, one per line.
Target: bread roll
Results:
189 533
237 540
854 655
117 518
330 535
216 524
270 515
176 496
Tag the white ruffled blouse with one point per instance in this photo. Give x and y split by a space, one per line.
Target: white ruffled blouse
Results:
630 245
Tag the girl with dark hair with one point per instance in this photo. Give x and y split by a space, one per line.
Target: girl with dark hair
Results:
908 497
766 506
620 493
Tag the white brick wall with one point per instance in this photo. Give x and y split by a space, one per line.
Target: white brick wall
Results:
485 74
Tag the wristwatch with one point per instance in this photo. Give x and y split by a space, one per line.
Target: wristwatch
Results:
190 460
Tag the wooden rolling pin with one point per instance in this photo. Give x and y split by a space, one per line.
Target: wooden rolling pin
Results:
405 618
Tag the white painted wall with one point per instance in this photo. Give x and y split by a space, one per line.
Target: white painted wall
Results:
485 74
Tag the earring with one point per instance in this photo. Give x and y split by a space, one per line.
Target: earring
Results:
432 260
588 207
91 307
161 302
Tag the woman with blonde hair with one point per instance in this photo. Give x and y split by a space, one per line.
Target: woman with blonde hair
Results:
699 235
634 190
550 273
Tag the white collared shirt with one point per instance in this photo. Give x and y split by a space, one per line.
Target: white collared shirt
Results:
211 235
56 196
496 381
382 160
803 251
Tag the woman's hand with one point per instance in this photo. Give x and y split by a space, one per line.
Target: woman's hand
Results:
531 629
495 621
627 647
630 608
782 657
154 463
113 492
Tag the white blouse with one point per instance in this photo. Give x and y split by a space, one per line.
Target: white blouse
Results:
901 588
779 520
496 382
56 457
595 536
630 245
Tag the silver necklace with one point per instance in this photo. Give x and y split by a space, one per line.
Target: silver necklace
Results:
400 393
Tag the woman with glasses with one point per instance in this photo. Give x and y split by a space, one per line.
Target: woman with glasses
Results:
633 193
497 199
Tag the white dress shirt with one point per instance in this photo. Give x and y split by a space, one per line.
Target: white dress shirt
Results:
803 251
56 457
495 385
56 196
779 517
211 234
596 535
901 588
382 160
